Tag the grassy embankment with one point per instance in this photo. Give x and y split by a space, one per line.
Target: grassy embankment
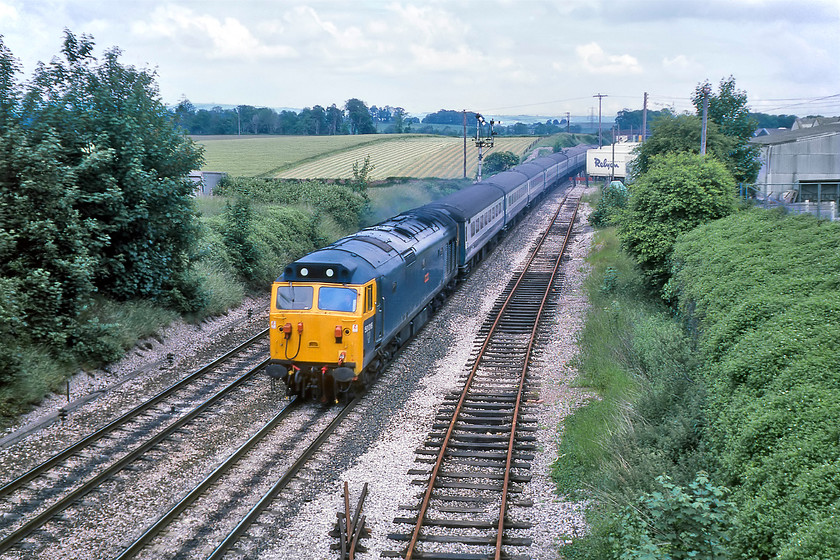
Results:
737 381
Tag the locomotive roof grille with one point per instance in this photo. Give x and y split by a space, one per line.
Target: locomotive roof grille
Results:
374 241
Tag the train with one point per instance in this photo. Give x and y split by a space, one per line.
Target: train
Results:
339 314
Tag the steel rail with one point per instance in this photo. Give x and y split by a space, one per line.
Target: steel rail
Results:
73 449
134 548
39 520
516 409
447 436
271 494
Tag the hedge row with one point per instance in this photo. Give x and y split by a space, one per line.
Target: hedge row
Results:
761 291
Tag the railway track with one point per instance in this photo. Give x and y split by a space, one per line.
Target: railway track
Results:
41 495
478 455
203 524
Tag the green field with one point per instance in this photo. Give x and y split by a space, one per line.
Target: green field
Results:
332 157
264 156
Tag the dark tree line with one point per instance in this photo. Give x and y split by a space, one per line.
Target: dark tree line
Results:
354 118
455 119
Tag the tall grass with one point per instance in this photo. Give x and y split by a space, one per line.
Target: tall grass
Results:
45 372
647 419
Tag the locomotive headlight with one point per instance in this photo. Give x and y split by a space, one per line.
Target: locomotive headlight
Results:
330 273
304 271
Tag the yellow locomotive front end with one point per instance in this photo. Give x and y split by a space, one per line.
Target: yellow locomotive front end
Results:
318 336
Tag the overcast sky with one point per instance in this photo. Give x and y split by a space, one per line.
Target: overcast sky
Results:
498 57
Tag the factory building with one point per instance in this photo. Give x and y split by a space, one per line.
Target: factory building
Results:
801 165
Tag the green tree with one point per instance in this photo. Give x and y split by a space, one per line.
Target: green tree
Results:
626 119
335 120
129 166
399 120
359 115
47 268
682 133
361 178
184 113
237 237
677 193
93 199
499 161
728 109
613 201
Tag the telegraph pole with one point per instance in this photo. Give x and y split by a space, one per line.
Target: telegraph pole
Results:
644 119
599 96
705 119
568 123
465 143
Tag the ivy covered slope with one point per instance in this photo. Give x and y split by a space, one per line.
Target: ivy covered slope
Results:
762 291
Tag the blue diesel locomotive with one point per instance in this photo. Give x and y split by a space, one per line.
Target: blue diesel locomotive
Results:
339 313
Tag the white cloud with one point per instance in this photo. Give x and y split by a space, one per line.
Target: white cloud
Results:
216 38
461 58
8 13
596 61
437 53
678 62
429 23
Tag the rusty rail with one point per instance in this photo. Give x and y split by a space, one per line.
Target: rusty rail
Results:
424 506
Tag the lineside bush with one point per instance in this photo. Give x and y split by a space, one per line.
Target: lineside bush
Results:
678 192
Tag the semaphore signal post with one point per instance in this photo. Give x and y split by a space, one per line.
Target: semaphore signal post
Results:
483 141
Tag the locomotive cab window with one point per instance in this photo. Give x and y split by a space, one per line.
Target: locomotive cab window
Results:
294 297
337 299
368 298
